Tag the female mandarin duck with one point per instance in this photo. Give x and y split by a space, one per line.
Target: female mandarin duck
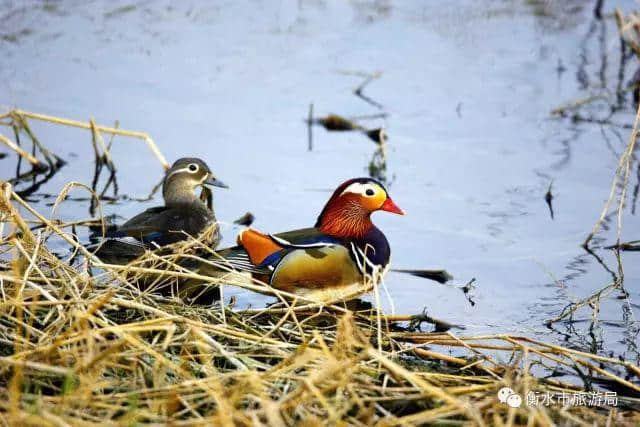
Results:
183 213
328 261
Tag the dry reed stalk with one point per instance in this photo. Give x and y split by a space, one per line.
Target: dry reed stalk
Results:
104 129
622 172
628 29
22 153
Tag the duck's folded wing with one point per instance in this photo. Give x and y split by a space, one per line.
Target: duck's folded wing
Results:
149 222
162 226
137 226
134 236
236 258
260 253
111 230
118 250
306 238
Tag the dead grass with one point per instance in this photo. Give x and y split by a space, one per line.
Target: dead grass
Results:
84 343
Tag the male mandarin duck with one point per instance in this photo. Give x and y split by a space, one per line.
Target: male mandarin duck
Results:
183 213
326 262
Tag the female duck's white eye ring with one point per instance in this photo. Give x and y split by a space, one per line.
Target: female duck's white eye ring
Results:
193 168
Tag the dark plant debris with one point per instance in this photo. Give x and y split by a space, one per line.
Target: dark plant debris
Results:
246 219
548 197
334 122
359 91
440 276
378 135
439 325
467 289
631 246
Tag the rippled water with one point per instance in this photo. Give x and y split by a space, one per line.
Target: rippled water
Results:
468 87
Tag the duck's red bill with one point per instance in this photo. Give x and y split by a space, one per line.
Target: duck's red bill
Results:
390 206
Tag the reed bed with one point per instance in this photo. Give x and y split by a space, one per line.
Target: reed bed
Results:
83 342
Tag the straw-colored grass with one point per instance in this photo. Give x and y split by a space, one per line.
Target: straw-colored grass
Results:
83 348
86 343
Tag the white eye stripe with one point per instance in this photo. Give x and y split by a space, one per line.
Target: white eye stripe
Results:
359 188
180 171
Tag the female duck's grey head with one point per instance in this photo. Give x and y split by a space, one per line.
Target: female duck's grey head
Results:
182 179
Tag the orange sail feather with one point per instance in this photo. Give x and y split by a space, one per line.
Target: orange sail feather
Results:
259 246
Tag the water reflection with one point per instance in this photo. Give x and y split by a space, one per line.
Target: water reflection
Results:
377 166
40 171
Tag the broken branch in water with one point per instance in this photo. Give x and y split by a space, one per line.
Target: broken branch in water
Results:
633 245
359 90
102 158
19 121
334 122
35 163
440 325
440 276
19 124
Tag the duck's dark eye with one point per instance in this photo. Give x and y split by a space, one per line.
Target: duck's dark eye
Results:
193 167
369 192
